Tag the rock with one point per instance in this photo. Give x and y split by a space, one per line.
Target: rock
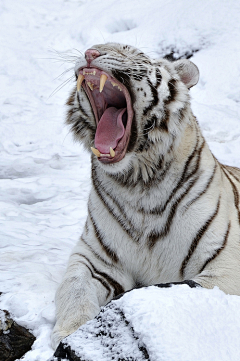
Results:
167 322
109 336
15 340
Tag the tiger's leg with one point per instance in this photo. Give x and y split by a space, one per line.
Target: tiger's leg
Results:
84 289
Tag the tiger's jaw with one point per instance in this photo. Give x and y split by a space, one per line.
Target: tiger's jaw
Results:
112 108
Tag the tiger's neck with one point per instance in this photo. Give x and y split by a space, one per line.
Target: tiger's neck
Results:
154 168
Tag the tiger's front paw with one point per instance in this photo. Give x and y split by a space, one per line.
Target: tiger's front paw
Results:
57 336
64 328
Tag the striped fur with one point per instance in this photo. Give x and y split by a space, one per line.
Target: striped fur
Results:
167 212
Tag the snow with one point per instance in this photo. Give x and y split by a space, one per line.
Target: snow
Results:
45 177
177 323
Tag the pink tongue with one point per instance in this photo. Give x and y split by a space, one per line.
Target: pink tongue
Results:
110 129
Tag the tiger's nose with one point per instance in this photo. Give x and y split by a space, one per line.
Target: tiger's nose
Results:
91 54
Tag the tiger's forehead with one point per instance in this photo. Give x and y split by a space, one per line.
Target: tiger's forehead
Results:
121 49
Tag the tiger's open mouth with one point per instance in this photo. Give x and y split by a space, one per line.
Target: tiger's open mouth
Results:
112 107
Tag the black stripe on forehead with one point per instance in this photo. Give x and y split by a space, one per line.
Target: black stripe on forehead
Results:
155 98
158 77
138 74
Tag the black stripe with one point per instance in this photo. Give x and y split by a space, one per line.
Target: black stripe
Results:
115 59
184 177
163 126
155 99
137 74
235 193
110 253
172 91
155 236
94 252
182 112
122 218
232 174
133 135
216 252
86 227
204 190
158 77
197 238
104 283
118 289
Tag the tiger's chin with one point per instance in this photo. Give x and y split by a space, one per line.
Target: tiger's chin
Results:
112 107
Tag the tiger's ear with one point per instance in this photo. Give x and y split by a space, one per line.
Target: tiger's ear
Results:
188 72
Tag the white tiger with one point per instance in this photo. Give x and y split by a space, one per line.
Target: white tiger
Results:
162 208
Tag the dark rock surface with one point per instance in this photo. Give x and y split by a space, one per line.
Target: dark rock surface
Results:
15 340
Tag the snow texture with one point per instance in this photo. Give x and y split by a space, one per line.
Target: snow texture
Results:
3 321
177 323
45 177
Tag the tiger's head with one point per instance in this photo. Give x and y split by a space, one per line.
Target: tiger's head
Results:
126 105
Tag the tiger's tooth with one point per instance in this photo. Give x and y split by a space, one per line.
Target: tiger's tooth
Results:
112 153
79 81
90 85
103 79
96 152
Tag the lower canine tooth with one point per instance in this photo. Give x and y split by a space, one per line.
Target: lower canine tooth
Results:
90 85
112 153
96 152
79 81
103 79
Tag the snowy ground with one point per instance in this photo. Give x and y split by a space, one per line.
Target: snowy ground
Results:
44 176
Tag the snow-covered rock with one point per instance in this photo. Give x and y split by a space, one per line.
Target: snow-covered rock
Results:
15 340
160 324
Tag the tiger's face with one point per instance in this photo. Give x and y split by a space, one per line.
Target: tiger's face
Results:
126 104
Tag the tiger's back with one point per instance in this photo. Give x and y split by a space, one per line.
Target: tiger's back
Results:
162 208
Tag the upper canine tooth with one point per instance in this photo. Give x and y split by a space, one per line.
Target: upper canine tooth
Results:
79 81
103 79
112 153
96 152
